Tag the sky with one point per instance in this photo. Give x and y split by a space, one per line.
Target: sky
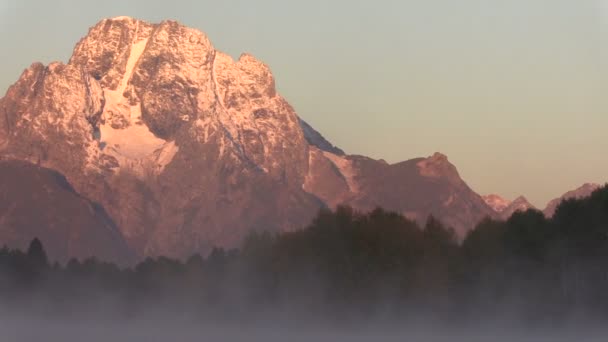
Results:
514 92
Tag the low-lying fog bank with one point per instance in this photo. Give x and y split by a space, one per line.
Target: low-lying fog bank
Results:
177 328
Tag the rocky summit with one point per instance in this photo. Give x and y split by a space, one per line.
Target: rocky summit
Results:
185 148
505 208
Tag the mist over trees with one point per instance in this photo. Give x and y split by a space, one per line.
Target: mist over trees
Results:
351 266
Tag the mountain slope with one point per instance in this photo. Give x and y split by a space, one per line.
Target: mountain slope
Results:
186 148
583 191
519 204
38 202
417 188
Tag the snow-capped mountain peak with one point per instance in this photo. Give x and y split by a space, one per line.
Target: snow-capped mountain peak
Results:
186 147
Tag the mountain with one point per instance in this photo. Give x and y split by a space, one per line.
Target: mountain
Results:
186 148
519 204
497 203
505 208
584 191
417 188
38 202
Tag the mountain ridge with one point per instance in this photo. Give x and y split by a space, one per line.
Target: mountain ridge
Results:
584 190
505 208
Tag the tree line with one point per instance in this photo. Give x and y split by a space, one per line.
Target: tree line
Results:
352 265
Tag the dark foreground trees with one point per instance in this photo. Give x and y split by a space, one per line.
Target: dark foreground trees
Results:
347 264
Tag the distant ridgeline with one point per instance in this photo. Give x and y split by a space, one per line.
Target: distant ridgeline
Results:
348 265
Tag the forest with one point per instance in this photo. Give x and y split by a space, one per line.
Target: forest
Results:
348 266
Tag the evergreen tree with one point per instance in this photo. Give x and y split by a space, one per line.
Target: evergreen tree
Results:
37 255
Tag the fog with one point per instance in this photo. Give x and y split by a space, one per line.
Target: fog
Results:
155 325
50 329
144 330
347 277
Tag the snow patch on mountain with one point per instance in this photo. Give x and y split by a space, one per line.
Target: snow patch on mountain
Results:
123 134
135 141
137 49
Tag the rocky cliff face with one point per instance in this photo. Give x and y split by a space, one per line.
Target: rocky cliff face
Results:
186 148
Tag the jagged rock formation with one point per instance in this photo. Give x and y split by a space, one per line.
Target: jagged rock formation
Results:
584 191
186 148
504 208
497 203
38 202
519 204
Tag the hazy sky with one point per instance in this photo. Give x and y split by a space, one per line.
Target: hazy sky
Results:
515 92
